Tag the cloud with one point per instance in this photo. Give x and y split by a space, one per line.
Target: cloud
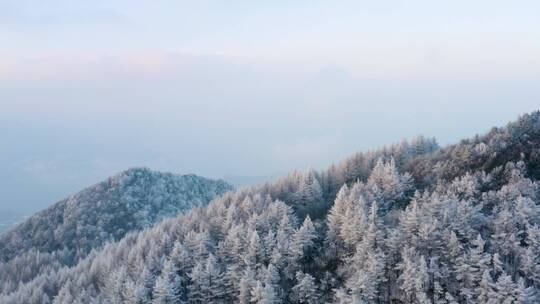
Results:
40 15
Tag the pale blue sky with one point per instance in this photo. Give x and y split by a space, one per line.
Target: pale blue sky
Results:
249 88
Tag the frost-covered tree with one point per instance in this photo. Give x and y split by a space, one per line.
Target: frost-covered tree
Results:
247 283
303 242
166 289
305 291
263 294
386 185
309 195
69 230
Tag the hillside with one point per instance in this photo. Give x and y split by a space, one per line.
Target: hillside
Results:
68 230
408 223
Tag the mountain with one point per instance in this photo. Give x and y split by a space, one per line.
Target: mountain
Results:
407 223
68 230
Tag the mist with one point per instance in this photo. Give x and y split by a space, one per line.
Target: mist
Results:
245 92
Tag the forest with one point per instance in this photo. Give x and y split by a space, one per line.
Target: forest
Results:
412 222
66 232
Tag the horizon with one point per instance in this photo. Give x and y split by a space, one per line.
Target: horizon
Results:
245 89
238 181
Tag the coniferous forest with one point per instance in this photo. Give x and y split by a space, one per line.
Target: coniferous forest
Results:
412 222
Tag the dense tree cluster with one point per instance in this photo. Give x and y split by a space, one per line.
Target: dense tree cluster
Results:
410 223
68 230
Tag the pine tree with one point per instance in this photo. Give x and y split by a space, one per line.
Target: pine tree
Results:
64 295
368 263
305 290
478 259
465 277
166 288
272 279
335 221
134 293
410 223
213 286
148 279
421 281
505 290
255 251
414 277
484 291
262 294
231 282
247 283
270 295
365 281
530 256
525 295
115 285
309 191
386 184
498 266
303 243
505 237
196 289
164 292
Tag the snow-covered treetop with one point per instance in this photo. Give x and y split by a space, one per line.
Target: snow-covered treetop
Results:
129 201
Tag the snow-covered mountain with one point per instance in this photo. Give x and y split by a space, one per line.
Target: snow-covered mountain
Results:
68 230
408 223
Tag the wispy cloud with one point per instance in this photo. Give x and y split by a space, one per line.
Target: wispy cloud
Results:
41 15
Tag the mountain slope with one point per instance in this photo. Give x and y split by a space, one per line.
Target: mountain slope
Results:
409 223
130 201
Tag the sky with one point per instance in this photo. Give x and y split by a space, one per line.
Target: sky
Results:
246 90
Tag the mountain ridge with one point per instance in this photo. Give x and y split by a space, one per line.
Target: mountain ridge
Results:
131 200
408 223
